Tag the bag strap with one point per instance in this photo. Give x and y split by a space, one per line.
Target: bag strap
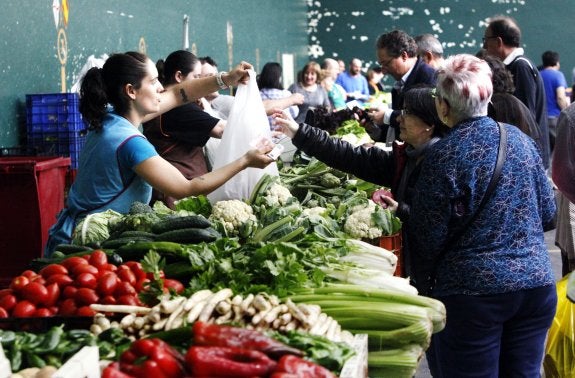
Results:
501 156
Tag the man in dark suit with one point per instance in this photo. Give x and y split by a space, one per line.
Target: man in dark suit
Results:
502 39
397 55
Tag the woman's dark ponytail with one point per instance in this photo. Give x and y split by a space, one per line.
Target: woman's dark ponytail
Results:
93 98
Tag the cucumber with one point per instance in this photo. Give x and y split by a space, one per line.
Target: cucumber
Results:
190 235
136 251
172 223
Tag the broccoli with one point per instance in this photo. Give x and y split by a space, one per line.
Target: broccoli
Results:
140 208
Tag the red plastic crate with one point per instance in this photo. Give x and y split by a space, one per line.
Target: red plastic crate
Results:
32 189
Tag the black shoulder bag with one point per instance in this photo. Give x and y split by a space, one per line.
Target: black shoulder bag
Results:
427 287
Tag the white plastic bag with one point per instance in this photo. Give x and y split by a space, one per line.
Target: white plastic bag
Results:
247 122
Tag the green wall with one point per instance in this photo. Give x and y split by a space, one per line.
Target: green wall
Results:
346 29
30 62
263 30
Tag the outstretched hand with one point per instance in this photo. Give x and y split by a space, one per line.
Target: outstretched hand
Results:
239 74
257 157
285 122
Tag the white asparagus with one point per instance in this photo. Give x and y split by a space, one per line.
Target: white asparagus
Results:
159 325
127 309
275 312
212 301
237 300
170 305
195 312
127 321
177 314
198 296
320 322
261 303
223 307
247 302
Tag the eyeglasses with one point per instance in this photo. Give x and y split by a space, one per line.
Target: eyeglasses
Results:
488 37
404 112
387 62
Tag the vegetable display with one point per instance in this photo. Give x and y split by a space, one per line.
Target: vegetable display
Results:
297 266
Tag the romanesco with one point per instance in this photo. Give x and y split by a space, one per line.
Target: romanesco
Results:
236 216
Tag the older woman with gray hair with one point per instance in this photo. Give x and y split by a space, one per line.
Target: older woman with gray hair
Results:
476 228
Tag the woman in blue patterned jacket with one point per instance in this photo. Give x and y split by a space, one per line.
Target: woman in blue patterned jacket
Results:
495 278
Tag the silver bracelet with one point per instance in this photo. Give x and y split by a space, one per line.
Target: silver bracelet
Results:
220 81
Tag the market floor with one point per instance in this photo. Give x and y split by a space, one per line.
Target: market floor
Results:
423 370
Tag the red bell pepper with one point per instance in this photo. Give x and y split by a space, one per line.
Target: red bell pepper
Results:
236 337
152 358
212 361
302 368
113 371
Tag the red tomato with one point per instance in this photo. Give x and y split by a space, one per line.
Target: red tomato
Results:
29 273
109 299
23 309
107 283
4 292
53 294
136 267
150 275
8 302
125 274
42 312
35 292
69 292
62 280
109 268
71 262
3 313
124 288
176 285
85 311
39 279
18 283
86 297
67 307
98 258
141 284
84 268
130 300
86 280
52 269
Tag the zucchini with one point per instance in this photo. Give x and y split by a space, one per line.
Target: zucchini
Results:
72 248
171 223
190 235
119 242
137 234
136 251
180 271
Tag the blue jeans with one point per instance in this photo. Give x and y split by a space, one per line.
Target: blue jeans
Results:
499 335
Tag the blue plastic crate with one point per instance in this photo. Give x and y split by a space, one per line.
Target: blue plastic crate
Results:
61 143
53 112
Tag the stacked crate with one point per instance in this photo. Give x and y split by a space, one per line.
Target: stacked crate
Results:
55 126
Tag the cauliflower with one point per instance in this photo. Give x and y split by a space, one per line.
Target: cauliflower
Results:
361 224
277 195
237 217
313 211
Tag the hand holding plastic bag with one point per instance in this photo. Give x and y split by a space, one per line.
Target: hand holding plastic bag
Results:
559 359
247 123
